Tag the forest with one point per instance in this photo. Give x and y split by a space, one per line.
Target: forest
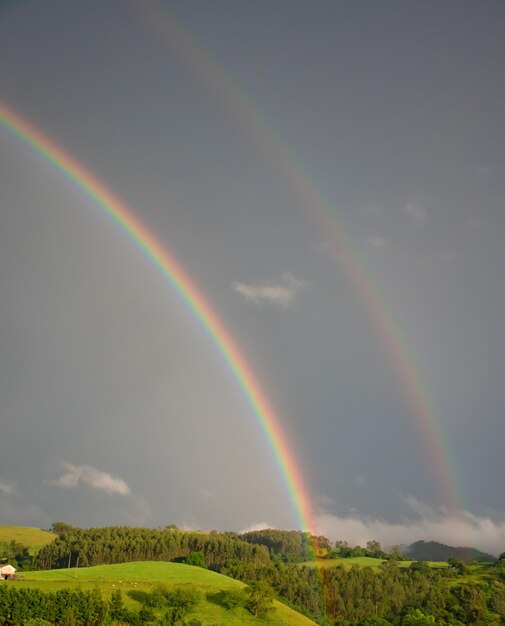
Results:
273 563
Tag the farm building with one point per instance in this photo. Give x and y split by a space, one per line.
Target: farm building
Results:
6 572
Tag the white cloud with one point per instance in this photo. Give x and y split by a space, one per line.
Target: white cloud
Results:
7 487
415 212
459 528
92 477
254 527
281 293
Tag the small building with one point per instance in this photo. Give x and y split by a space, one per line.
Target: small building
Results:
6 572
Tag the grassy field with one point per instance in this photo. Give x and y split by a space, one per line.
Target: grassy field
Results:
134 579
33 538
364 561
432 564
477 572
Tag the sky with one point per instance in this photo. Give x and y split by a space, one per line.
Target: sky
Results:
331 176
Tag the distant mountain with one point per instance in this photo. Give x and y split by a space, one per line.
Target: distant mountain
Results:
434 551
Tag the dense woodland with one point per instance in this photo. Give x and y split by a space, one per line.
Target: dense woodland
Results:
121 544
362 595
271 561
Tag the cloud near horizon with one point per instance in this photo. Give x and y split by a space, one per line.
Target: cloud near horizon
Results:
255 527
280 293
92 477
458 528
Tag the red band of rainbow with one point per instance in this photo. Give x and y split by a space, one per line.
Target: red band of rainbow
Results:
126 218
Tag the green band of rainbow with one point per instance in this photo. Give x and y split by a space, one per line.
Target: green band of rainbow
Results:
274 149
129 222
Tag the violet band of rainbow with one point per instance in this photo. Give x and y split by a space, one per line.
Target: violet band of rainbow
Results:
128 221
300 184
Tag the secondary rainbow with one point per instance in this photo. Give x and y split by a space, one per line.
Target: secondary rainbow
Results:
127 219
274 149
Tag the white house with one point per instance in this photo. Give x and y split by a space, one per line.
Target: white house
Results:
7 571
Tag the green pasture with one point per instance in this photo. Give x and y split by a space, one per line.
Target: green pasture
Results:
364 561
476 572
135 579
32 538
432 564
361 561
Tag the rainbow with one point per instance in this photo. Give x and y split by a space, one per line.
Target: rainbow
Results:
127 220
250 120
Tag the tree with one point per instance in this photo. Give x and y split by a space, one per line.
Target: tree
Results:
59 528
116 607
456 565
418 618
420 566
233 598
197 559
261 598
375 621
373 546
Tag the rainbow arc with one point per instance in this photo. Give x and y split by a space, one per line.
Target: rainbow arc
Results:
128 221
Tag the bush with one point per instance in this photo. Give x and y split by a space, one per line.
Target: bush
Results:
197 559
233 599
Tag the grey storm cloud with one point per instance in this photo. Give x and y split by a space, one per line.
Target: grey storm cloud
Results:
266 153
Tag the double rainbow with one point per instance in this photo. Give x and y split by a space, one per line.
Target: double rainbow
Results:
128 221
274 150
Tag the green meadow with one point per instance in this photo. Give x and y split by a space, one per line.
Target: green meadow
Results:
361 561
136 579
364 561
32 538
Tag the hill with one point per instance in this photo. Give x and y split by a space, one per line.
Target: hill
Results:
135 580
434 551
32 538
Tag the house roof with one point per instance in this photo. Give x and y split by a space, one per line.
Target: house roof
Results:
7 569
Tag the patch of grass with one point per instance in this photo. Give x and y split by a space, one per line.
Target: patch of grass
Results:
32 538
361 561
476 572
136 580
365 561
432 564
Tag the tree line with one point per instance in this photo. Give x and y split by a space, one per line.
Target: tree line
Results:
121 544
357 596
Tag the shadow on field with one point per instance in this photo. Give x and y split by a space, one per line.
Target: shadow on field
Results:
218 598
139 596
231 599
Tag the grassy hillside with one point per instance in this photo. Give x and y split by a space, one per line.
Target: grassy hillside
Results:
33 538
134 579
